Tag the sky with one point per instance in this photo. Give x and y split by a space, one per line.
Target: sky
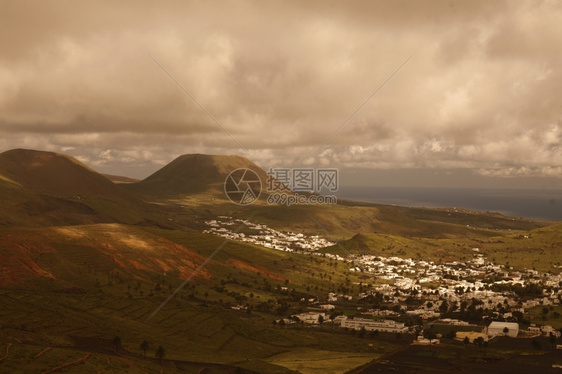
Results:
432 92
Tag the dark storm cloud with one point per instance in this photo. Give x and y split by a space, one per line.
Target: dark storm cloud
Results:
481 92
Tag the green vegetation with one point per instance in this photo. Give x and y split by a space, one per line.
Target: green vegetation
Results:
313 361
547 315
91 272
101 291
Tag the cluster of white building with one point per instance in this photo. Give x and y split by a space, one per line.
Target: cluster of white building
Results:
265 236
453 282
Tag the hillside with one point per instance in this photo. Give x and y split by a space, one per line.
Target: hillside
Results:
86 260
55 173
192 187
44 188
66 253
78 287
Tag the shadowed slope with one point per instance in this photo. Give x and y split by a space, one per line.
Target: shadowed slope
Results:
46 188
55 173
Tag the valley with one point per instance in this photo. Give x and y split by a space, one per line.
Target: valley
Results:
99 276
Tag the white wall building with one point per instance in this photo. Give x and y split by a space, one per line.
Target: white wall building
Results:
373 325
497 329
311 317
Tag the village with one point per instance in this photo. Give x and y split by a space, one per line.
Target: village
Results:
481 298
265 236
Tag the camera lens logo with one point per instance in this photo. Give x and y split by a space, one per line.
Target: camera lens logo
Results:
242 186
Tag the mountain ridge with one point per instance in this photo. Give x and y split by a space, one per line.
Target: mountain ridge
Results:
39 188
194 174
54 173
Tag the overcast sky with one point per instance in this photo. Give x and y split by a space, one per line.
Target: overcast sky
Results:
474 89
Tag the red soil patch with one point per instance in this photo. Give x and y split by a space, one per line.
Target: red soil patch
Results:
18 262
245 266
186 272
137 265
110 246
163 266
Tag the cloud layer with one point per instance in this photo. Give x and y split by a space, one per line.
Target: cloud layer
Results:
105 82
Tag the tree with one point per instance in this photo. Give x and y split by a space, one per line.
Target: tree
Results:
454 306
505 331
552 340
430 334
518 315
479 341
160 353
144 346
320 319
466 340
116 343
444 306
464 304
451 334
545 312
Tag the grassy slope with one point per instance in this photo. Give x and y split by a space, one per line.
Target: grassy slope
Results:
539 249
89 295
347 220
109 262
418 233
106 279
189 328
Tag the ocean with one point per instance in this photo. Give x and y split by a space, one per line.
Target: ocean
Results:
533 204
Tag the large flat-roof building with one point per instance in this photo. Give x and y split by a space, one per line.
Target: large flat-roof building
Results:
385 325
510 329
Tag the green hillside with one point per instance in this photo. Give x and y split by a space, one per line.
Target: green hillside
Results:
85 260
101 281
